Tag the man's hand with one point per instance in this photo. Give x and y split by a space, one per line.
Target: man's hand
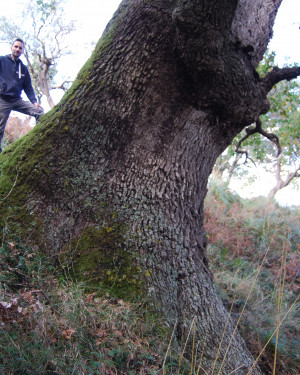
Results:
38 105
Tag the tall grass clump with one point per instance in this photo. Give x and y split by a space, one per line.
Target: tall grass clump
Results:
255 244
52 325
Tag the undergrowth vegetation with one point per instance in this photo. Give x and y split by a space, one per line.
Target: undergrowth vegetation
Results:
51 324
254 255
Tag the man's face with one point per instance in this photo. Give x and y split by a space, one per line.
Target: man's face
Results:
16 50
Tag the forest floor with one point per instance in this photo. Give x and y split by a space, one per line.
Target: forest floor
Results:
50 324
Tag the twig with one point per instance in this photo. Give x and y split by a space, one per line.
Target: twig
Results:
242 312
171 339
186 342
239 368
280 300
14 184
222 338
263 349
258 129
44 295
202 353
61 86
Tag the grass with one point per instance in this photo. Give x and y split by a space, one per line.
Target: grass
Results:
255 244
53 325
59 328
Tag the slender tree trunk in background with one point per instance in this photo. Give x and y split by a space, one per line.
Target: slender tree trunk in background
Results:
39 77
280 183
44 87
168 87
43 78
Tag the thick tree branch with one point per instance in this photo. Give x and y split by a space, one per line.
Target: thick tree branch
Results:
277 75
252 26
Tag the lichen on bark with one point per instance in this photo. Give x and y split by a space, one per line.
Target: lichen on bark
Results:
164 93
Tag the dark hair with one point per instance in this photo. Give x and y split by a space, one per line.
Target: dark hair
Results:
18 40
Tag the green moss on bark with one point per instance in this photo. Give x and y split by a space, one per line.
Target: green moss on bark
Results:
98 257
28 169
25 163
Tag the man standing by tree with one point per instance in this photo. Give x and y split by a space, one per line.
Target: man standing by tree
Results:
168 87
14 77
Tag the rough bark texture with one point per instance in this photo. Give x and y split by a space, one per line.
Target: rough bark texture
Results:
132 145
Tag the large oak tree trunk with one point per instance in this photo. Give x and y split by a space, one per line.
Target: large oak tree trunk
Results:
132 145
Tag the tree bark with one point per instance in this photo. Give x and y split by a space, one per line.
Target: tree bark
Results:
134 141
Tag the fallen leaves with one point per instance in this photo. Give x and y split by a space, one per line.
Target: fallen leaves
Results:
16 307
12 312
68 333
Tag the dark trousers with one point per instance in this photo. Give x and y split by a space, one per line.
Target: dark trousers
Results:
18 105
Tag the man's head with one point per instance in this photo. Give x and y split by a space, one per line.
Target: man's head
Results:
17 48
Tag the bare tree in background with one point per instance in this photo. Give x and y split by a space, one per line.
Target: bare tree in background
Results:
43 28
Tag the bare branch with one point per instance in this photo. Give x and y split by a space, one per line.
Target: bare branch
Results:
258 129
39 30
271 136
234 165
280 183
249 131
61 86
247 157
277 75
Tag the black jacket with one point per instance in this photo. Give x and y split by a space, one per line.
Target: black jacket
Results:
14 79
